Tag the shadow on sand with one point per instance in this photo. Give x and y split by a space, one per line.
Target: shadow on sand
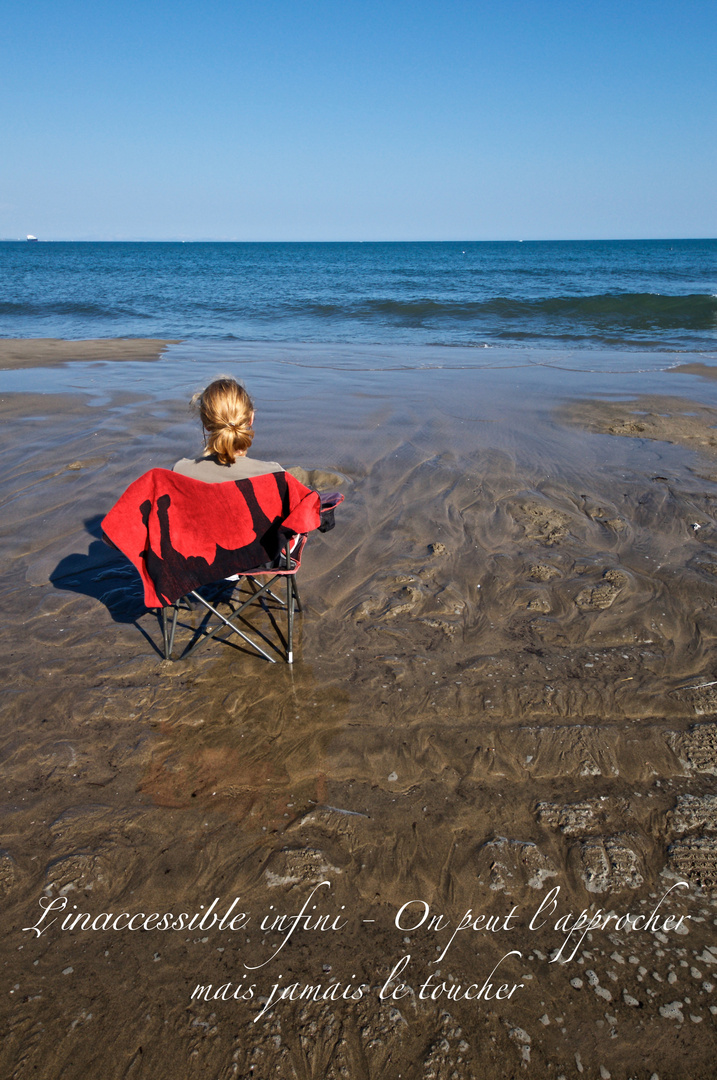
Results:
104 574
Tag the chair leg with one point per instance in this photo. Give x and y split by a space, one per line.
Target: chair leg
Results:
175 613
290 619
165 633
296 595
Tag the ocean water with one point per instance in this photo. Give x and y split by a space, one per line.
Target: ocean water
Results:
627 295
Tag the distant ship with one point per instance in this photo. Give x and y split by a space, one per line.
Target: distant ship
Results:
31 237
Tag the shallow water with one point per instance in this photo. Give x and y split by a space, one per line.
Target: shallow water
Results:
504 684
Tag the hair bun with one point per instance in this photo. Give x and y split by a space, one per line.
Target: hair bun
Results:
226 412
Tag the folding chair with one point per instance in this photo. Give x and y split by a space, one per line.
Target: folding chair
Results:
290 561
183 534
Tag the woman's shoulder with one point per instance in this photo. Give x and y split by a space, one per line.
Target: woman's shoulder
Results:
210 471
184 463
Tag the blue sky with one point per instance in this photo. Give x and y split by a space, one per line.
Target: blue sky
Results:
285 120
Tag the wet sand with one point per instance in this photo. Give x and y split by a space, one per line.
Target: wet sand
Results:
48 352
505 684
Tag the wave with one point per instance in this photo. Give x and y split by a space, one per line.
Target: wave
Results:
633 311
606 319
68 307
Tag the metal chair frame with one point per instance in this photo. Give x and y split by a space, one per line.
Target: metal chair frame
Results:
293 601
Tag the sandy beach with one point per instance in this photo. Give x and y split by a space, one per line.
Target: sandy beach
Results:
505 687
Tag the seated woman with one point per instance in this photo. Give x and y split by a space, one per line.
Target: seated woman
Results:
227 416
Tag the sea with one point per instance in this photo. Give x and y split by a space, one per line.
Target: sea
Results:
653 296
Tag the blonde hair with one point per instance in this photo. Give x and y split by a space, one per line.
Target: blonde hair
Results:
226 412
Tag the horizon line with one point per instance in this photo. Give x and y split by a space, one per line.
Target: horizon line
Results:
214 240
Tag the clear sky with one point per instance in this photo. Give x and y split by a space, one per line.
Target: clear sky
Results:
357 119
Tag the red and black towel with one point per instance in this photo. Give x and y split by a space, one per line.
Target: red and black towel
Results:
181 533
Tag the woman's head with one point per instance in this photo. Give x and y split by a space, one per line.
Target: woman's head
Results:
227 415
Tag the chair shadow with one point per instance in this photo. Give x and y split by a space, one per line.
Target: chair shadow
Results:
103 574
